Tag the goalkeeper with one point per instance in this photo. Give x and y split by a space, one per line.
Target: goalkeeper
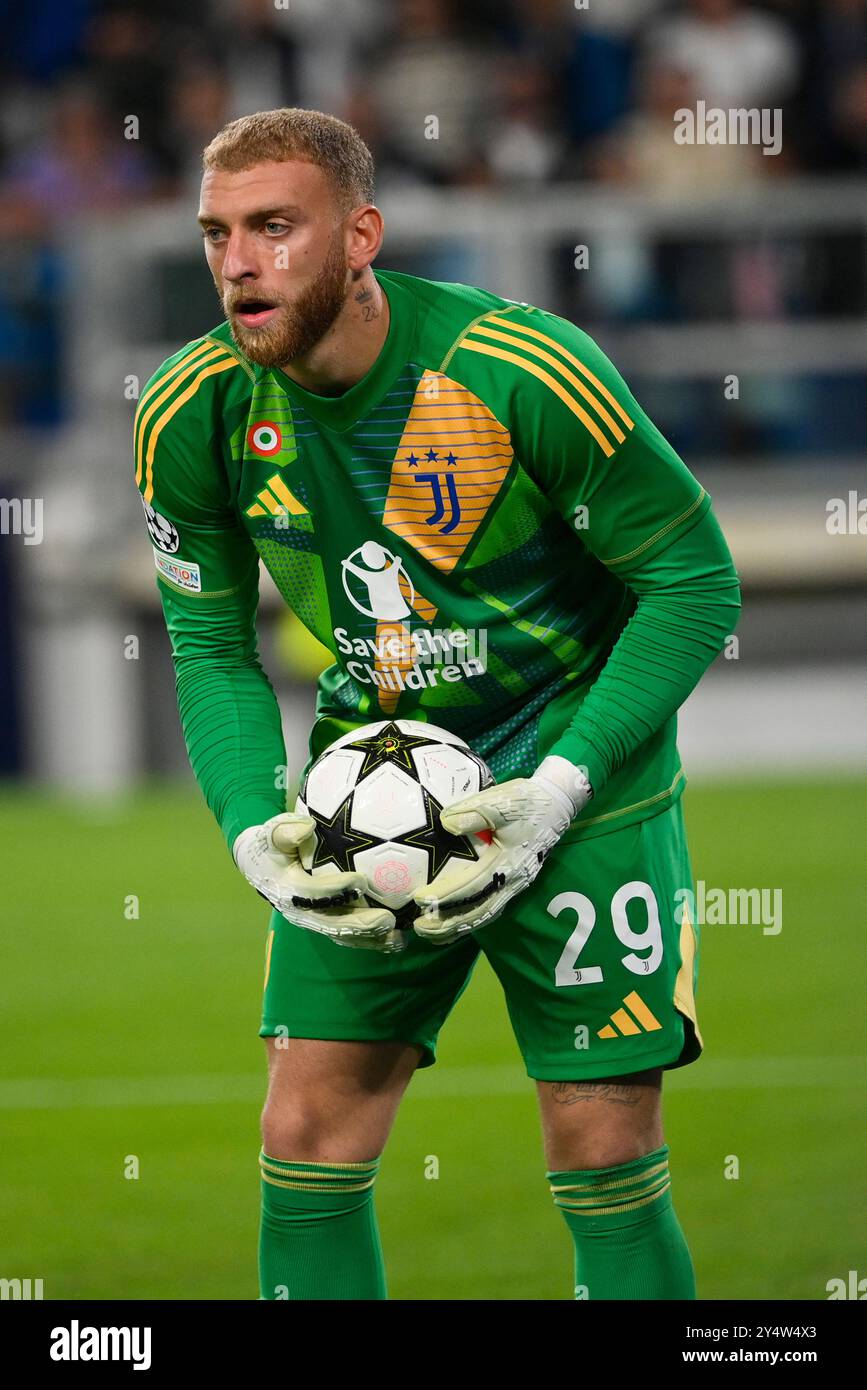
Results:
404 455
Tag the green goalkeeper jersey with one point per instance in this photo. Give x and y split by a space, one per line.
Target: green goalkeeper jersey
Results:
486 531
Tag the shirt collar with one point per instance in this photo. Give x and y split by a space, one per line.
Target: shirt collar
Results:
340 412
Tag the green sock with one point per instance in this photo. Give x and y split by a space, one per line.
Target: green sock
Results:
628 1241
318 1237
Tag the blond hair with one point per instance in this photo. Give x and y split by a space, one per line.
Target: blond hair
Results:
291 132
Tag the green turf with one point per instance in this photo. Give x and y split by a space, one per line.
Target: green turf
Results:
142 1037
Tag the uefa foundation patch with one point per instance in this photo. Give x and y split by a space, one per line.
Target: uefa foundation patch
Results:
184 574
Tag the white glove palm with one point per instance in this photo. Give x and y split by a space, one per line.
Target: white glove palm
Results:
333 903
527 815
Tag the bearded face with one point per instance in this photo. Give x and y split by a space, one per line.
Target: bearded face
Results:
271 331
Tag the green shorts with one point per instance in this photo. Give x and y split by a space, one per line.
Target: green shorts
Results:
598 962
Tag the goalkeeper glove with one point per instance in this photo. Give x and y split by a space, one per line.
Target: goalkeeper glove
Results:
333 903
527 816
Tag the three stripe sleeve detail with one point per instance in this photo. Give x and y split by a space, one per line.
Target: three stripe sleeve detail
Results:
166 396
579 388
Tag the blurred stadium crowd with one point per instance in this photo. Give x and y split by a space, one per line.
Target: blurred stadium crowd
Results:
527 93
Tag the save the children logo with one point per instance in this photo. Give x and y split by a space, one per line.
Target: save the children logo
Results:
377 574
399 656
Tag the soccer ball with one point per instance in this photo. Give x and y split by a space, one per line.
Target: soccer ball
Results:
375 795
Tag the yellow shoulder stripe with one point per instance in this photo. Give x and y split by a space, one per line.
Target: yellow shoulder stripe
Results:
565 373
565 396
194 355
204 365
564 352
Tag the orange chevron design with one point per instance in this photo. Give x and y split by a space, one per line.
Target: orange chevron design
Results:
399 632
426 610
446 419
624 1024
385 630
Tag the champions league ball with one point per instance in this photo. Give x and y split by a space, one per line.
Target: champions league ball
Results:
375 795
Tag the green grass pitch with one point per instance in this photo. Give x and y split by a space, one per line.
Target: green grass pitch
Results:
130 1036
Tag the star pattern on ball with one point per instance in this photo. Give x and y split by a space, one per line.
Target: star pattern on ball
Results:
440 844
390 745
336 842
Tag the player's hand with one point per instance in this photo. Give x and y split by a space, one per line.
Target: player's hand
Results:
527 816
333 903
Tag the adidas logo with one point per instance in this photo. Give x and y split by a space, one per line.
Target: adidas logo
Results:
276 499
625 1024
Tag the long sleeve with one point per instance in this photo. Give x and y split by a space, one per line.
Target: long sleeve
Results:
228 710
634 505
688 604
207 575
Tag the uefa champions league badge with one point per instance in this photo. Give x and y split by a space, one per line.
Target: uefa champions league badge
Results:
162 532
